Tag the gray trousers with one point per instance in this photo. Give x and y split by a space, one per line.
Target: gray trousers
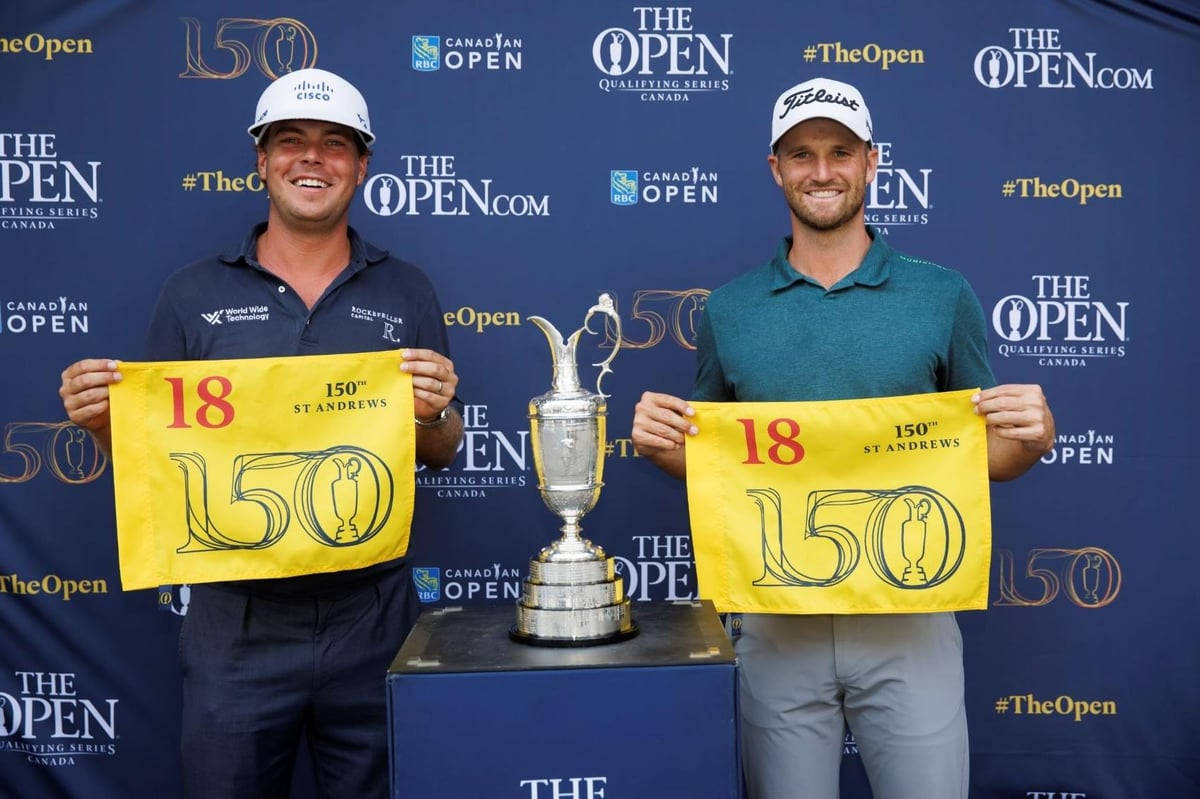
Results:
897 680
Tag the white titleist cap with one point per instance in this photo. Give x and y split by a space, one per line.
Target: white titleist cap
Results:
824 99
312 94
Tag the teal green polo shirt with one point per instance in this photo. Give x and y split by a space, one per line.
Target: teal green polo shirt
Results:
895 325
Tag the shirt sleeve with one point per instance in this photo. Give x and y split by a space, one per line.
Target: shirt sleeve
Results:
710 385
967 360
165 337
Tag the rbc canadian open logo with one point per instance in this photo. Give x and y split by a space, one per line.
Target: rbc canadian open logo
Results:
426 53
428 582
624 183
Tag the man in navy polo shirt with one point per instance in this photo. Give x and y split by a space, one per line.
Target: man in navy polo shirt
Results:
267 660
838 314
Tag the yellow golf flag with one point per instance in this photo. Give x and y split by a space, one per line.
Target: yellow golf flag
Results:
261 467
850 506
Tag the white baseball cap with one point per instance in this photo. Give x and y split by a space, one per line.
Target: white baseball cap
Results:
312 94
821 98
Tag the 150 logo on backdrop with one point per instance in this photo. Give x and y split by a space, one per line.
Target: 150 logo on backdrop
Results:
276 46
430 184
1034 58
1062 324
40 190
664 312
664 59
43 718
1090 577
67 452
673 313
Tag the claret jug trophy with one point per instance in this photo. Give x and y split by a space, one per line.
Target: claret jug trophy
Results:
572 596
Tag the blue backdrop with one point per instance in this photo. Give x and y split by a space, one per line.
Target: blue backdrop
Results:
533 154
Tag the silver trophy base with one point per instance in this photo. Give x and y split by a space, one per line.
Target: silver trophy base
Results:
580 603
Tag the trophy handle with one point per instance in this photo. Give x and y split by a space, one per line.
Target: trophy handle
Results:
605 306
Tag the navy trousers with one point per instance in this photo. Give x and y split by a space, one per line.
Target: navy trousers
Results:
258 671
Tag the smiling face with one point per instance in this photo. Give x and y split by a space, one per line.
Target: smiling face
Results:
311 170
823 170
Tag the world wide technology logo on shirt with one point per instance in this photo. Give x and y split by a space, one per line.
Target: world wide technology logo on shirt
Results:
244 313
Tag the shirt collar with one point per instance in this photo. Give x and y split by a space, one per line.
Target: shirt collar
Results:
362 253
873 271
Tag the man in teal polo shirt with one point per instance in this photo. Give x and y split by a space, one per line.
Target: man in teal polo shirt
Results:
839 314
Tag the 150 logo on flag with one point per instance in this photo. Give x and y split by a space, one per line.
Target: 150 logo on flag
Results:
849 506
260 468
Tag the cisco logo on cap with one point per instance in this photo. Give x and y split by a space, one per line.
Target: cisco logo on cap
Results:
313 91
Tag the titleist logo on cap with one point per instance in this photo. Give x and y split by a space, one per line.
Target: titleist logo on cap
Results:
807 96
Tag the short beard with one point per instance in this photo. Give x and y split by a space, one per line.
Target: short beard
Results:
826 225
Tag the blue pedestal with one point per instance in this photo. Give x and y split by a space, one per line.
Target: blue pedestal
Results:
474 714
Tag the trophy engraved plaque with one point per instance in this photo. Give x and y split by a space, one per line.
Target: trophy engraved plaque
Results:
572 596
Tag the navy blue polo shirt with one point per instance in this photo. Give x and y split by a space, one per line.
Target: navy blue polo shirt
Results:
230 306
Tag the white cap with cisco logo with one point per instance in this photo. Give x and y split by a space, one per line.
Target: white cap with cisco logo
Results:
821 98
312 94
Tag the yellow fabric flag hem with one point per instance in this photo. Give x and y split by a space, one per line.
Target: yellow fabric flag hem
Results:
261 468
847 506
